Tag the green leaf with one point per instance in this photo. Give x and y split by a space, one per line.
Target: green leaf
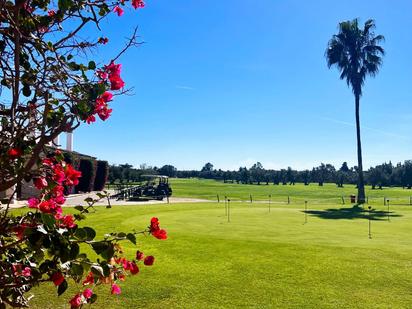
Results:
48 220
62 288
79 208
81 234
93 298
91 233
132 238
74 251
97 270
92 65
76 270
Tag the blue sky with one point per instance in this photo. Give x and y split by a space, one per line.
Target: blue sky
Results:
235 82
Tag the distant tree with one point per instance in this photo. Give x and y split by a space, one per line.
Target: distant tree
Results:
344 168
208 167
257 172
168 170
306 177
356 53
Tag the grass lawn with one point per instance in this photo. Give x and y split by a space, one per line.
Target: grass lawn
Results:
329 193
260 259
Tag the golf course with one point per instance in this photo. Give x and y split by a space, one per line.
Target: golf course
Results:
261 255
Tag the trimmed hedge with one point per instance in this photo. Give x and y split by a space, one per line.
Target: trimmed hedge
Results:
88 169
102 174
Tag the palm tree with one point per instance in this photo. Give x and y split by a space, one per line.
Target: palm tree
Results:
356 53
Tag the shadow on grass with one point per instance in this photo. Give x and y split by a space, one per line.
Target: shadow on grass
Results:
355 212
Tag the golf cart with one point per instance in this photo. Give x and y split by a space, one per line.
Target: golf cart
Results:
153 187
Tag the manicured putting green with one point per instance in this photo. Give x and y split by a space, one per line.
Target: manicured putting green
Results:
260 259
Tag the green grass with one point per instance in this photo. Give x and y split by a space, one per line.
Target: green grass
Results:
260 259
329 193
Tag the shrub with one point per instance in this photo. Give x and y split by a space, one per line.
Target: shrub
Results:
102 174
88 169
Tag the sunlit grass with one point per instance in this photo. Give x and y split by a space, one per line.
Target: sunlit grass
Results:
260 259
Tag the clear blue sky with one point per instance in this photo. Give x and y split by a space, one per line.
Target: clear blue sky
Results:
235 82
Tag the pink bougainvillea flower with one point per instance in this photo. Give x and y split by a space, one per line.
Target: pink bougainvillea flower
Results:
138 4
40 183
118 10
107 96
87 293
90 119
102 74
59 174
89 279
104 113
116 83
115 289
76 301
67 221
160 234
33 202
113 69
103 41
26 272
14 153
72 176
139 255
149 260
57 278
134 269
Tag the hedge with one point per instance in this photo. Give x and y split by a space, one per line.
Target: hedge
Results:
88 169
102 174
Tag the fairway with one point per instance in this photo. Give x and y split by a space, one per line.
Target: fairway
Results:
329 193
260 259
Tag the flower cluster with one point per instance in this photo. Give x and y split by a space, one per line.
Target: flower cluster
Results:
109 75
56 175
137 4
118 269
155 229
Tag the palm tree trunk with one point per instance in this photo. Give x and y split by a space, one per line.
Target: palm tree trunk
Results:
361 184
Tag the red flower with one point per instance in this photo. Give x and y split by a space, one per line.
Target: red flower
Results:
160 234
48 206
115 289
102 74
118 10
14 153
90 119
89 279
19 230
138 4
103 41
149 260
113 69
57 278
107 96
33 202
139 255
59 174
104 113
76 301
72 176
154 224
134 269
116 83
26 272
68 221
87 293
51 13
40 183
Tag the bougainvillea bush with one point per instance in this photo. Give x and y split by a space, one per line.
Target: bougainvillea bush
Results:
48 88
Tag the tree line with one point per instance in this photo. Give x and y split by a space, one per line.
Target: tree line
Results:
383 175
